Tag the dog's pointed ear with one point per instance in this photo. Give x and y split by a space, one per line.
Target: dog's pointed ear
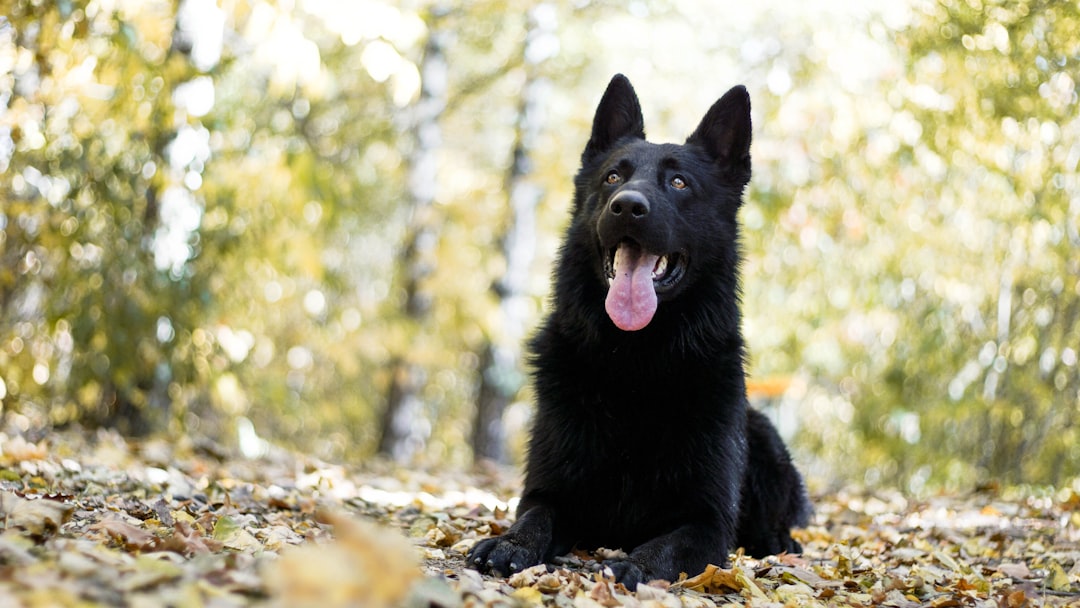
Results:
725 131
617 116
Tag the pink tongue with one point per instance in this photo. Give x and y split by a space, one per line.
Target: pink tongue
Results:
631 299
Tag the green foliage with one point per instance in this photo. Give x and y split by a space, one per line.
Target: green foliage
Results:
994 91
167 262
279 303
922 278
88 317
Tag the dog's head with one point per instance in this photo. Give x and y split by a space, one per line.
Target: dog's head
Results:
663 216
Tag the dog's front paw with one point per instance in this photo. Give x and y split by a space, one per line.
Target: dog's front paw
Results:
502 556
628 573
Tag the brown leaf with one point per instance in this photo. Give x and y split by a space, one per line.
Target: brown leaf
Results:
188 541
131 537
791 559
1016 599
549 583
603 595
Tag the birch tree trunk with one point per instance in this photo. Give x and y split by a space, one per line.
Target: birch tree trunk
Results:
405 423
501 376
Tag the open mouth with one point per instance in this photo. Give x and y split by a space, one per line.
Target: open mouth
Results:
636 280
667 269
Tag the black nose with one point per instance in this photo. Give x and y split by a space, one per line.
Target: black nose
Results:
629 201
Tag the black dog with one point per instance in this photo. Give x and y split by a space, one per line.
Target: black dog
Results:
643 438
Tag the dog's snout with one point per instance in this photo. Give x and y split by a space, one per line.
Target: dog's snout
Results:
630 214
631 202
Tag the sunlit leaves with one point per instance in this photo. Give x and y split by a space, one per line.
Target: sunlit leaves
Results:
82 196
897 233
1005 175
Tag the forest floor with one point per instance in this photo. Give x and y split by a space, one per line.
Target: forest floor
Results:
93 519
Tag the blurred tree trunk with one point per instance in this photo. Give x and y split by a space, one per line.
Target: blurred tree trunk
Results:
501 377
405 426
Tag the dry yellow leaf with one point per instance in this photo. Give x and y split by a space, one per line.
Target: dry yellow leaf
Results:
1056 578
529 595
364 566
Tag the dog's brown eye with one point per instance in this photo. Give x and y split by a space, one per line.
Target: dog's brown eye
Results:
613 178
678 182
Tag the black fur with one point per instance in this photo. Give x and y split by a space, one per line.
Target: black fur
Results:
643 439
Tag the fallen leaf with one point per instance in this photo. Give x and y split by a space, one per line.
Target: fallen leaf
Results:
718 580
1015 570
187 540
896 599
1056 578
602 594
15 549
363 566
792 593
233 536
946 560
528 595
713 580
748 584
527 577
650 592
797 574
85 524
549 583
148 571
39 517
18 449
131 537
225 527
791 559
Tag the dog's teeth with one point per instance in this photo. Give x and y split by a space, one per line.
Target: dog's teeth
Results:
661 267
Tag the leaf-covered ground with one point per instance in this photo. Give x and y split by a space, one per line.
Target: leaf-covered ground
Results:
98 520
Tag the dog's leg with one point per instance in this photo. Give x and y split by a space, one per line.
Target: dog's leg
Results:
527 543
686 549
774 498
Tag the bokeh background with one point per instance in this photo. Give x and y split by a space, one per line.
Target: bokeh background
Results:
328 224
